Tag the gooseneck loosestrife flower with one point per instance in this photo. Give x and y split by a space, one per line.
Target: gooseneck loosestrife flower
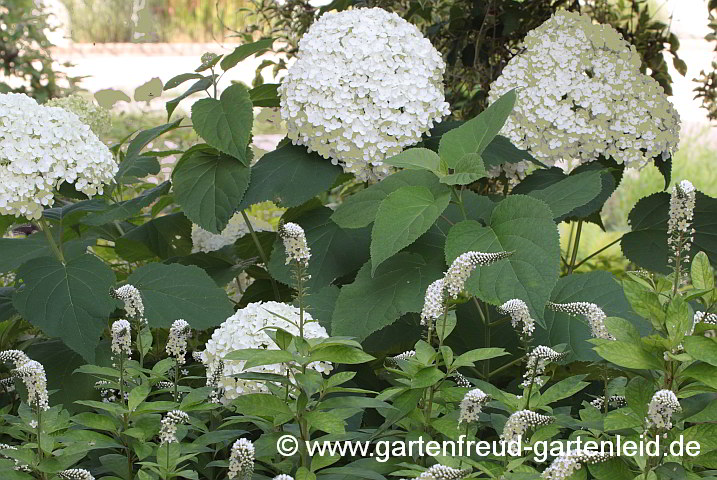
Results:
519 316
582 97
176 347
241 460
75 474
567 464
168 430
294 239
283 476
659 412
471 405
617 401
679 228
442 472
32 374
519 423
434 303
365 84
121 338
42 147
538 359
463 266
592 313
132 299
403 356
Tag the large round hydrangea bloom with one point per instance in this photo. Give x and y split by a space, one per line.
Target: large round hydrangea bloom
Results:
365 84
581 95
42 147
246 329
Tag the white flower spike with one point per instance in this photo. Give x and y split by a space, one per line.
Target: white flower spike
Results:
592 313
659 412
565 465
177 341
471 405
295 243
519 316
519 423
168 430
241 460
463 266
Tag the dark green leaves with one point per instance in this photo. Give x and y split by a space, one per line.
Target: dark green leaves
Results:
245 51
124 210
599 288
70 301
289 176
521 225
171 292
402 217
334 251
135 165
475 134
416 159
226 124
163 237
646 245
359 210
15 251
209 186
369 304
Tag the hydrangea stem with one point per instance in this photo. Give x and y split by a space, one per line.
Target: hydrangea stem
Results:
576 245
260 249
45 227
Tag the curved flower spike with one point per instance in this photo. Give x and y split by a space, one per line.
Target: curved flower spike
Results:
565 465
434 304
441 472
538 359
592 313
519 314
659 412
463 266
75 474
471 405
295 243
519 423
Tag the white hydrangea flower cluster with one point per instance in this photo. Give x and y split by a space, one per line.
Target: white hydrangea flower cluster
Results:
434 303
680 233
168 430
365 84
177 341
592 313
205 241
565 465
42 147
519 314
659 412
294 239
75 474
463 266
241 460
442 472
247 329
471 405
32 374
538 359
519 423
132 299
617 401
89 113
121 337
582 95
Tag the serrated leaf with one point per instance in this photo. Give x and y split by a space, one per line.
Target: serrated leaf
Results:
518 224
69 301
600 288
396 288
289 176
416 159
475 134
402 217
226 124
127 209
209 185
163 237
646 244
245 51
171 292
467 170
198 86
334 251
16 251
359 210
570 192
265 95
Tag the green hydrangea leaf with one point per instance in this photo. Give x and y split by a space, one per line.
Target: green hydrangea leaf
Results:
518 224
226 124
209 185
68 301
